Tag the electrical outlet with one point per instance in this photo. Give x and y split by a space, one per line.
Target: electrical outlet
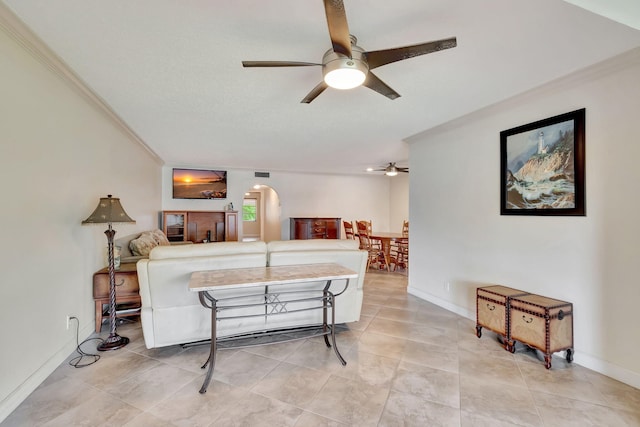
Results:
68 321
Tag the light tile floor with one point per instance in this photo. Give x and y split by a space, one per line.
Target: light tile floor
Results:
410 363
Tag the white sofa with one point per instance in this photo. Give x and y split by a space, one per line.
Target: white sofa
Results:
171 314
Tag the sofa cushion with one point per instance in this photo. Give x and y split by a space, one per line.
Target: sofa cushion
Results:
171 314
312 245
123 242
208 250
130 259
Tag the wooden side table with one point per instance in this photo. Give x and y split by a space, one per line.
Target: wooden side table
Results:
127 291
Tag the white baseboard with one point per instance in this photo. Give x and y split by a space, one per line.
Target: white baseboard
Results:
442 303
598 365
605 368
17 396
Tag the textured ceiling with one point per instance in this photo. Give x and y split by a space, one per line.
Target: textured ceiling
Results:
172 70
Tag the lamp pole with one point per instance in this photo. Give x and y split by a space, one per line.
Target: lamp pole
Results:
114 341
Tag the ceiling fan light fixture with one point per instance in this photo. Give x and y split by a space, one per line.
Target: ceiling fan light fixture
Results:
346 65
391 171
341 72
344 78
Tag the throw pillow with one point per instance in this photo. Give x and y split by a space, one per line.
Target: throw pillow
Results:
143 244
159 237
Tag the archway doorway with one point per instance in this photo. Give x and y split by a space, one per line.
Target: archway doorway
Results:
261 214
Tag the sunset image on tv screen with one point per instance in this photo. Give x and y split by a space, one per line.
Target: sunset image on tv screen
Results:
199 184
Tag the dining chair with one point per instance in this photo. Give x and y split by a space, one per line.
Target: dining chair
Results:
376 243
400 248
348 230
376 254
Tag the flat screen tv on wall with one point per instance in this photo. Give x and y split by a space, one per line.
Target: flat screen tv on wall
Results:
199 184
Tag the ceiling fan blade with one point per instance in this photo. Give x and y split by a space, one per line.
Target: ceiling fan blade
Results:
373 82
314 93
378 58
276 64
338 27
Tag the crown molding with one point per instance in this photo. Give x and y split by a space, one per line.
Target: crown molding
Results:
27 39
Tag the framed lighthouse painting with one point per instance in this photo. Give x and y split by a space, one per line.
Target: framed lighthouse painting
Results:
542 167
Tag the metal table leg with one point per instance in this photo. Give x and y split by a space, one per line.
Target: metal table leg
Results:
211 361
329 299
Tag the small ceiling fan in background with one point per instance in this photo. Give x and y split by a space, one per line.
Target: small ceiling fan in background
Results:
390 170
346 65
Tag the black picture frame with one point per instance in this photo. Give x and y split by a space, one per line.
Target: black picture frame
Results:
199 184
542 167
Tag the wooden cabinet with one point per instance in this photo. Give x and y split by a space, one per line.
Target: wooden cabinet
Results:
314 228
173 225
200 226
542 323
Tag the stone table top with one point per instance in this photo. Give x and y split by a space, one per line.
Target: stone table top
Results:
235 278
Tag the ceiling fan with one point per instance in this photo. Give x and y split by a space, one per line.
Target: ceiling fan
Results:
346 65
391 169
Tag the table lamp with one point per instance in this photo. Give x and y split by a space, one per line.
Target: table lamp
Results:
110 210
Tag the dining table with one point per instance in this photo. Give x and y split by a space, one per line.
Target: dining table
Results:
386 238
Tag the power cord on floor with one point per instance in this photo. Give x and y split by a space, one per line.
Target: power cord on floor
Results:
76 362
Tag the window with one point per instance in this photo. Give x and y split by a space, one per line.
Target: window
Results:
249 210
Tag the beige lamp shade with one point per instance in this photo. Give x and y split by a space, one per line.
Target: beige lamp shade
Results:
109 211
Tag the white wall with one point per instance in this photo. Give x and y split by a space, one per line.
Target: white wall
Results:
59 154
349 197
459 237
271 224
398 201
